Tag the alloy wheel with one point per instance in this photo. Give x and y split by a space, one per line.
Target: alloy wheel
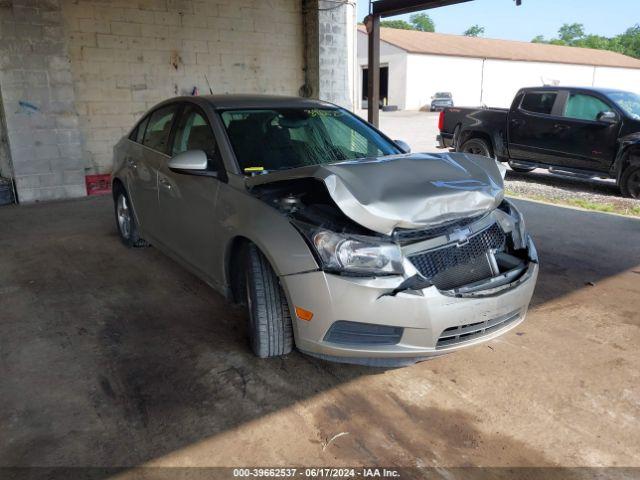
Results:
124 216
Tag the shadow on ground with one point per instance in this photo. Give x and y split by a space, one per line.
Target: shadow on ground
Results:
116 357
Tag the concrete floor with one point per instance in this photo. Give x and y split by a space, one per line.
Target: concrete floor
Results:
116 357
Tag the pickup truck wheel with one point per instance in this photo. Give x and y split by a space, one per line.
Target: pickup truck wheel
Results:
270 329
477 146
521 169
630 182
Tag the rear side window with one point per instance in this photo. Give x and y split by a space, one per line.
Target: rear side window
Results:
138 132
584 107
159 128
539 102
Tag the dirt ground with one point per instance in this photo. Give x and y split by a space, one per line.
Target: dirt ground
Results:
116 357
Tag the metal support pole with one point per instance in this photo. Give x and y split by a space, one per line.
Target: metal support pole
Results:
373 85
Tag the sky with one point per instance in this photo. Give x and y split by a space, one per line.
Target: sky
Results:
502 19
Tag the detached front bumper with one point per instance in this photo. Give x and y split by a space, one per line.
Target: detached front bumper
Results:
428 322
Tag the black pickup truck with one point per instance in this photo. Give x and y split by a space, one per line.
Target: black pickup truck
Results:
585 132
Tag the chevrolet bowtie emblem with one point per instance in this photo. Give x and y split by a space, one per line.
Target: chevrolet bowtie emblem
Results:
461 237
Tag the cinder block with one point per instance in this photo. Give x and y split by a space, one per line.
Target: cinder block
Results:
166 18
124 28
90 25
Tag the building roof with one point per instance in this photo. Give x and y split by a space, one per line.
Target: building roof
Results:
414 41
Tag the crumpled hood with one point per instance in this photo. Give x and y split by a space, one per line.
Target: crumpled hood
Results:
406 191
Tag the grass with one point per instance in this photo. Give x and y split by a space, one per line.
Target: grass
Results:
606 207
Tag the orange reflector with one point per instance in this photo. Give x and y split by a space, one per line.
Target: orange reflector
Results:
303 314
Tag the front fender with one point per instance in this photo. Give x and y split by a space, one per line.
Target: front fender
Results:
628 154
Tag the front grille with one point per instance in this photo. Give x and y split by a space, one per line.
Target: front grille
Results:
410 236
355 333
465 333
456 265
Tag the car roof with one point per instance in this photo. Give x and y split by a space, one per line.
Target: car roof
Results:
242 102
601 90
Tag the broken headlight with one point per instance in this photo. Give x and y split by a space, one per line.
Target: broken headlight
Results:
354 254
520 231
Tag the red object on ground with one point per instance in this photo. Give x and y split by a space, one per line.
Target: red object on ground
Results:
98 184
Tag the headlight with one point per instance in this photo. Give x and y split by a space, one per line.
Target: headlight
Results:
354 253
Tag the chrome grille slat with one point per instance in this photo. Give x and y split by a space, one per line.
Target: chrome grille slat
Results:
465 333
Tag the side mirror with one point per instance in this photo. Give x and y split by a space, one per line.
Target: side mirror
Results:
404 146
191 161
607 117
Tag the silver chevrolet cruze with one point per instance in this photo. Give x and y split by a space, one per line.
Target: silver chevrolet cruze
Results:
335 238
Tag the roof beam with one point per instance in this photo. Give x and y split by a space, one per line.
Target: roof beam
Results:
389 8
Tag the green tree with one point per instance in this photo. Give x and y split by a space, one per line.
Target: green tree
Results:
627 43
474 31
401 24
423 22
569 33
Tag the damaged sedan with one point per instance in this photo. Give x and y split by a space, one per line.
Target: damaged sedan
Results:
338 240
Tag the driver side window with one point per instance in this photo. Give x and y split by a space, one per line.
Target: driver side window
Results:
584 107
194 133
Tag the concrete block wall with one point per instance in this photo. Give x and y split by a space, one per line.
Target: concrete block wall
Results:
126 56
330 50
75 75
39 101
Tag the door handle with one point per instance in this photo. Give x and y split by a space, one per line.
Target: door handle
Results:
131 163
559 126
165 183
516 123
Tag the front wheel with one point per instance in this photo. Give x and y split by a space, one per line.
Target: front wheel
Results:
519 169
477 146
630 182
270 329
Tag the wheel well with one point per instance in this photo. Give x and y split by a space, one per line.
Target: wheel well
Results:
631 156
466 136
233 264
116 186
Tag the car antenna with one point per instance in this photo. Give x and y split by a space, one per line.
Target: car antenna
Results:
208 84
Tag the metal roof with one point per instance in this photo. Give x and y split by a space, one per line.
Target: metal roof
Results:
414 41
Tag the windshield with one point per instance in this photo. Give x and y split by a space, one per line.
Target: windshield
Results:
443 95
279 139
629 102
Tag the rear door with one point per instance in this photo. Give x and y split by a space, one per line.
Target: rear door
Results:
586 142
188 202
533 127
154 154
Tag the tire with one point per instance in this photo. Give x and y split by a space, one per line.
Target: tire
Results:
630 182
521 169
269 323
126 221
477 146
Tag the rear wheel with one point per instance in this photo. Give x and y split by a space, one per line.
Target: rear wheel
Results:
125 220
270 329
630 182
477 146
517 168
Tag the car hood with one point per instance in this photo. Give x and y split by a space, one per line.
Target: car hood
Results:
405 191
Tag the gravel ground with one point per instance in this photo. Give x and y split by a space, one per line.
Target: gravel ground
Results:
593 194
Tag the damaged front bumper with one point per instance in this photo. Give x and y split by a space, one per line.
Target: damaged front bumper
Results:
357 320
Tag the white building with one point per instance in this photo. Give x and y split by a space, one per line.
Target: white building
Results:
480 71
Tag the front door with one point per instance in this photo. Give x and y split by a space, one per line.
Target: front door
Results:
586 142
188 202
